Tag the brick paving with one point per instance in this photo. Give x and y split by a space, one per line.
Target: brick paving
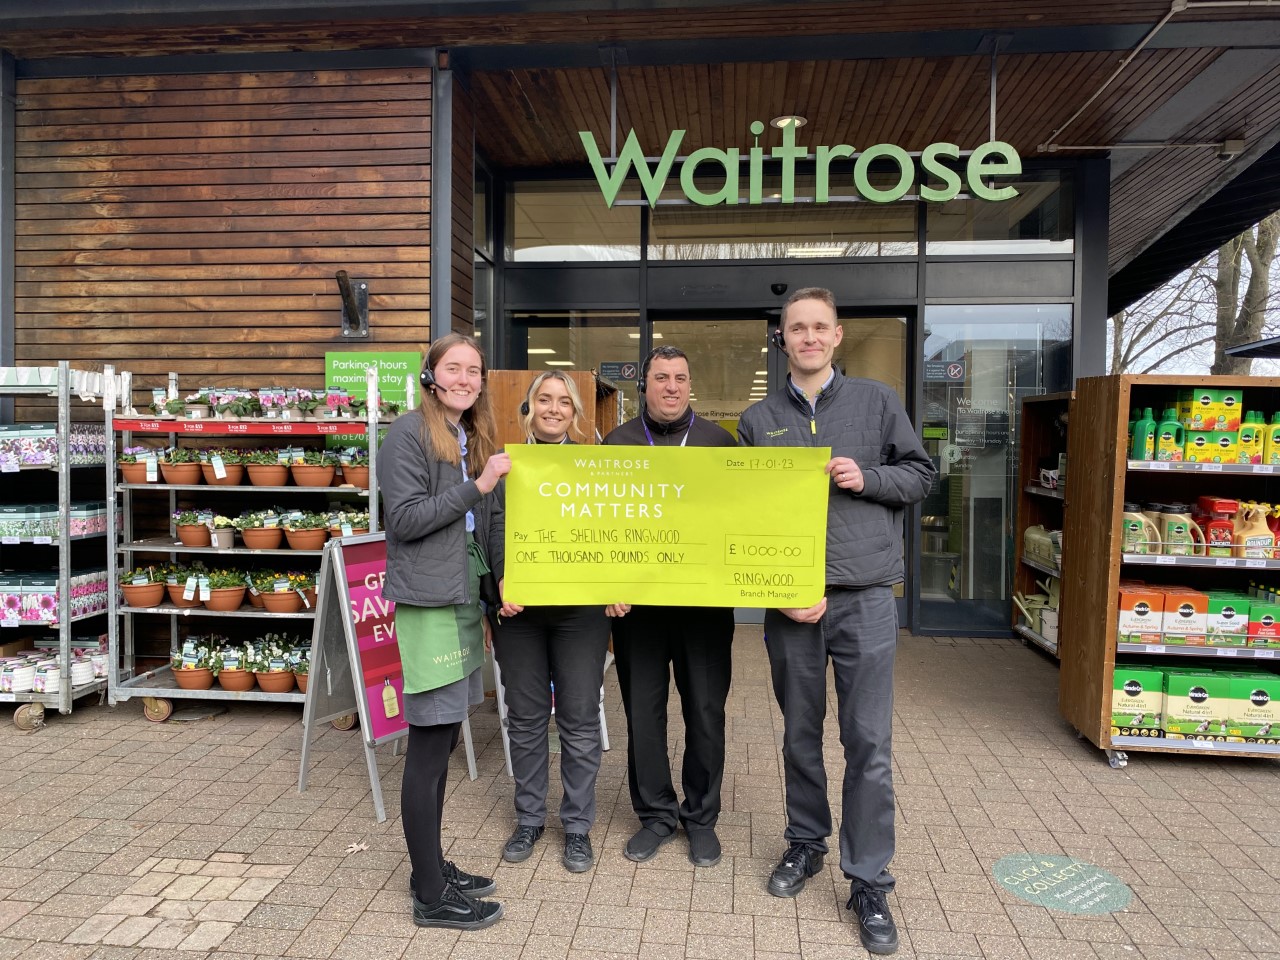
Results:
126 840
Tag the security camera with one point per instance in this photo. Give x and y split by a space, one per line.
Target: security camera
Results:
778 289
1230 149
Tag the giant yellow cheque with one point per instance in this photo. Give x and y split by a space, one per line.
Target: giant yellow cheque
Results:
678 526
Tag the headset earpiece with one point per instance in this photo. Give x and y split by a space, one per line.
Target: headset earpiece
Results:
524 408
427 378
777 340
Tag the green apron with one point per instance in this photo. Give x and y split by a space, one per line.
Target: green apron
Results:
442 645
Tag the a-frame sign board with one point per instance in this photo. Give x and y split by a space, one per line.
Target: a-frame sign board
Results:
355 661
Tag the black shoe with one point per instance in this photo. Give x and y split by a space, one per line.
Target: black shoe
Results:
578 857
876 929
704 846
797 865
456 912
644 844
520 846
468 884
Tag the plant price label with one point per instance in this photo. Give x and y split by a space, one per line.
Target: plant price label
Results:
205 592
219 468
305 602
153 471
189 590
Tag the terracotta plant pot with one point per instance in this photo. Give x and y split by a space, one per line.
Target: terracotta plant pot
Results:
268 474
276 681
306 539
336 532
194 534
188 473
143 594
133 472
238 680
312 475
225 598
302 681
310 594
201 679
175 596
255 599
235 474
356 476
262 538
284 601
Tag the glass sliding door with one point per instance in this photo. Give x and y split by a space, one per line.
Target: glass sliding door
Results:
979 362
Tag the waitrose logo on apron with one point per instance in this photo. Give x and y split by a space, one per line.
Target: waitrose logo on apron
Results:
936 178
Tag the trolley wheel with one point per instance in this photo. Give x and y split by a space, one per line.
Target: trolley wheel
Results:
345 722
157 709
29 716
1118 759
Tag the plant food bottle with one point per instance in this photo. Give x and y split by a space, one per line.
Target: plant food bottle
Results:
1170 436
1271 442
1144 437
1253 538
1252 441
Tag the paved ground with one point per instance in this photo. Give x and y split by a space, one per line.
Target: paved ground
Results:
124 839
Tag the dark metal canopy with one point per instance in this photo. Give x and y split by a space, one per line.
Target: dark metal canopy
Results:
1268 349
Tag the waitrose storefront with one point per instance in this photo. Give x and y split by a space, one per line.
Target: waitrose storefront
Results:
577 183
956 268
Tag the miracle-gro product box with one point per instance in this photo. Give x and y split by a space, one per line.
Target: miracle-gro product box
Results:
1197 704
1137 697
1228 624
1141 610
1264 624
1255 707
1216 446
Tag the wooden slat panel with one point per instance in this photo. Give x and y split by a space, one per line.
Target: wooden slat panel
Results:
195 223
462 306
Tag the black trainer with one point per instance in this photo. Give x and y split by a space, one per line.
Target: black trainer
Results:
578 856
704 846
453 911
876 928
520 846
644 844
468 884
797 865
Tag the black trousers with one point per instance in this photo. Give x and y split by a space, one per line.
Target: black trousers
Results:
535 648
426 775
696 643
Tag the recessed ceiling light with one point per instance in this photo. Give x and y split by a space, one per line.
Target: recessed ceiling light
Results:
787 121
533 350
558 363
762 373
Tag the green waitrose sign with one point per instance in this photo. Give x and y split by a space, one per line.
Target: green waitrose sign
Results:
936 178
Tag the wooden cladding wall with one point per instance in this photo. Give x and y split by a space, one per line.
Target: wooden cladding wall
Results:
464 170
195 222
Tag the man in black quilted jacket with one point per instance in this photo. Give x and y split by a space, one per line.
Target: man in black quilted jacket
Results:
877 469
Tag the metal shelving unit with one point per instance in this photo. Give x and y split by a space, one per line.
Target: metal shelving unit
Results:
29 715
157 686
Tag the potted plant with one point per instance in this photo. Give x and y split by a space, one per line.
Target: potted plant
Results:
389 409
175 576
301 668
356 521
355 470
307 402
307 532
263 582
265 468
226 590
229 664
197 406
224 532
232 468
254 530
133 464
316 469
168 408
271 664
281 595
143 587
192 529
180 465
192 668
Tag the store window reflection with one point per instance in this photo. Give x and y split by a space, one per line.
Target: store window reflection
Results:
979 362
577 340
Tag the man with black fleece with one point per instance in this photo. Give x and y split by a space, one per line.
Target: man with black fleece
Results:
649 641
878 468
